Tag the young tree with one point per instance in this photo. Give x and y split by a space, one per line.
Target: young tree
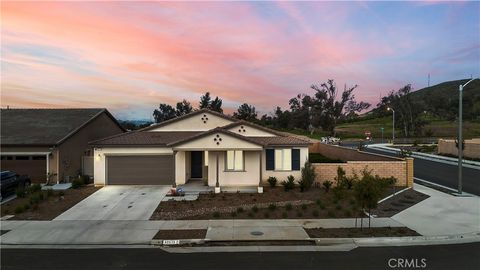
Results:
246 112
183 108
163 113
368 190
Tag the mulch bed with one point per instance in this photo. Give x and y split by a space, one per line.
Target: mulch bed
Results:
399 203
357 232
49 208
180 234
315 203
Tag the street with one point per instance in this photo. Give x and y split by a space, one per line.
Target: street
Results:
462 256
441 173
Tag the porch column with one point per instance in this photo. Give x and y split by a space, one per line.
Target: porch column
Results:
174 168
217 183
260 187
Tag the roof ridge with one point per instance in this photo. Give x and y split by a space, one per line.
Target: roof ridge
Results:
213 130
240 121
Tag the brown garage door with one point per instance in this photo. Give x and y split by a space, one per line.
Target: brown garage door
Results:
140 170
33 166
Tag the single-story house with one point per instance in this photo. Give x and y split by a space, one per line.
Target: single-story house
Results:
203 145
52 142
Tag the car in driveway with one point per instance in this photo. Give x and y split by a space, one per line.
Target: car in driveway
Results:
10 181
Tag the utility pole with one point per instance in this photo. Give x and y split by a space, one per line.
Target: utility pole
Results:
460 136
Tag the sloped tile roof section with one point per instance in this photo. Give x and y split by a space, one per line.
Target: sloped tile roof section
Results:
250 124
179 118
215 130
44 126
280 141
141 138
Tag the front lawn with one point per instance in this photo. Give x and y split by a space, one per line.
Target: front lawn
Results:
45 204
274 203
357 232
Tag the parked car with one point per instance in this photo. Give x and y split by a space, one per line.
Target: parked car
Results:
10 181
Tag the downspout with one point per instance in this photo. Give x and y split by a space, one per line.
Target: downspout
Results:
174 184
260 187
217 184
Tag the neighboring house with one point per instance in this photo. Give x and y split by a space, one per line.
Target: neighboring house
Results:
203 145
41 142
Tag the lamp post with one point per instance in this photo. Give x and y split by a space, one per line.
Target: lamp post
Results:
393 124
460 135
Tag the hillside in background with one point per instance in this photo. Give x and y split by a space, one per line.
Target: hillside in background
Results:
440 106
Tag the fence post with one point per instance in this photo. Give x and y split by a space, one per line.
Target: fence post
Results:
409 162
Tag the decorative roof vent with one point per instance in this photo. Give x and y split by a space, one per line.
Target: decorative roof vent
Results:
204 118
242 129
217 139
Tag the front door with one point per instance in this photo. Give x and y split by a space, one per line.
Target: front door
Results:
197 164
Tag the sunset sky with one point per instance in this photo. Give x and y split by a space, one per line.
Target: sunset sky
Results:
129 57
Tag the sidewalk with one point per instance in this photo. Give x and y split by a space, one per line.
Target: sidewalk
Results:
141 232
442 214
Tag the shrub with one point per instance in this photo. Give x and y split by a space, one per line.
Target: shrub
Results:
85 179
20 192
18 209
34 199
61 193
338 207
338 193
40 196
284 215
77 183
318 202
289 184
266 215
255 209
352 202
239 209
34 188
326 185
49 192
216 214
26 206
308 177
331 213
304 206
272 181
272 207
250 214
233 214
288 206
315 213
299 214
322 206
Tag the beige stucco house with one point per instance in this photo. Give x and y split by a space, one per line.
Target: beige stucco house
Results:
203 145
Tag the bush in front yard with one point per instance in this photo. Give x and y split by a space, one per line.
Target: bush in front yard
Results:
34 188
77 183
20 192
308 177
18 209
272 207
255 209
288 206
326 185
216 214
289 184
272 181
239 209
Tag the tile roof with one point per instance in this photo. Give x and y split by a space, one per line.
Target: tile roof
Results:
145 138
43 126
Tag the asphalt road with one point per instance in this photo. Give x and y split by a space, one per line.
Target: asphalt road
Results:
442 174
462 256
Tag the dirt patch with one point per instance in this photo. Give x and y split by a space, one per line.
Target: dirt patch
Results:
2 232
51 206
398 203
180 234
274 203
357 232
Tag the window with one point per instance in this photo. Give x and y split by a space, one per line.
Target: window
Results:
7 157
283 159
38 157
234 160
22 157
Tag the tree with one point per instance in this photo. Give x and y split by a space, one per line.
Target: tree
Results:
206 102
328 110
183 108
408 111
163 113
308 177
246 112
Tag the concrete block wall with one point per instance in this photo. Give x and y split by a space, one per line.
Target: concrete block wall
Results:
472 148
346 154
397 169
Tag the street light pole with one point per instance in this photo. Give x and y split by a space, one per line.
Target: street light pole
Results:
393 124
460 135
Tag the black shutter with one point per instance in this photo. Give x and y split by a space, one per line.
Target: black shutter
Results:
295 159
270 159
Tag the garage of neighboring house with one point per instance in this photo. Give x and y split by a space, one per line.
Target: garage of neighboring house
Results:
139 170
34 166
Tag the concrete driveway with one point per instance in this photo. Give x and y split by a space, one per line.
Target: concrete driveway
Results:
118 203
